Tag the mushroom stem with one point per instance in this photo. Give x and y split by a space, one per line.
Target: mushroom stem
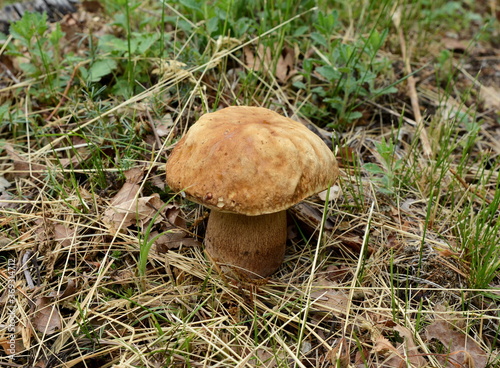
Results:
251 245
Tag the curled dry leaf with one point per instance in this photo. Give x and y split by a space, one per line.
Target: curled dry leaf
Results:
410 347
262 61
164 126
333 195
402 355
4 183
462 348
134 175
327 298
7 347
22 167
454 44
63 234
46 318
339 354
135 211
490 97
172 213
68 291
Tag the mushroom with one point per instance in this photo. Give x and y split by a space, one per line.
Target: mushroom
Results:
248 165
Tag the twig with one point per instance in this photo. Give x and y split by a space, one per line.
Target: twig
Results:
412 90
65 93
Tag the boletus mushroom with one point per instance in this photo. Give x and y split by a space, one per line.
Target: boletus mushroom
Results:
248 165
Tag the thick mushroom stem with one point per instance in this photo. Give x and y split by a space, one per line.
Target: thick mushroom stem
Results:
251 245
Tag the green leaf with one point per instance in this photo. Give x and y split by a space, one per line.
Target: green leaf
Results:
319 38
30 25
56 35
329 72
373 169
212 25
147 40
4 110
100 68
299 84
112 44
300 31
353 115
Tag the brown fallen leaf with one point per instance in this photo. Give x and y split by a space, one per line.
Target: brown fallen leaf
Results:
454 45
261 60
172 213
46 318
63 234
164 126
410 348
11 347
339 354
135 211
131 187
383 346
463 350
285 67
68 291
22 167
326 297
403 354
490 97
168 240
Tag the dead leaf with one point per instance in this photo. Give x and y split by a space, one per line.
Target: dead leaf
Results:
264 358
134 175
158 181
131 187
172 213
285 67
455 45
164 126
69 290
339 354
335 193
22 167
123 277
5 197
262 61
384 346
328 298
63 234
11 347
92 6
490 97
462 348
4 183
411 349
135 211
46 318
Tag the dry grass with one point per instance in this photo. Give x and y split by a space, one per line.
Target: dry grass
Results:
384 274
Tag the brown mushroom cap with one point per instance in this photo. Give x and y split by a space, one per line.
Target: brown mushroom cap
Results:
250 161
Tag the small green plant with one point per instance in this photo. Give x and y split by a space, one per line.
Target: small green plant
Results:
347 71
479 234
386 176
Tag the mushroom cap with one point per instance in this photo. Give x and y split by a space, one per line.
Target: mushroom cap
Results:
250 161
